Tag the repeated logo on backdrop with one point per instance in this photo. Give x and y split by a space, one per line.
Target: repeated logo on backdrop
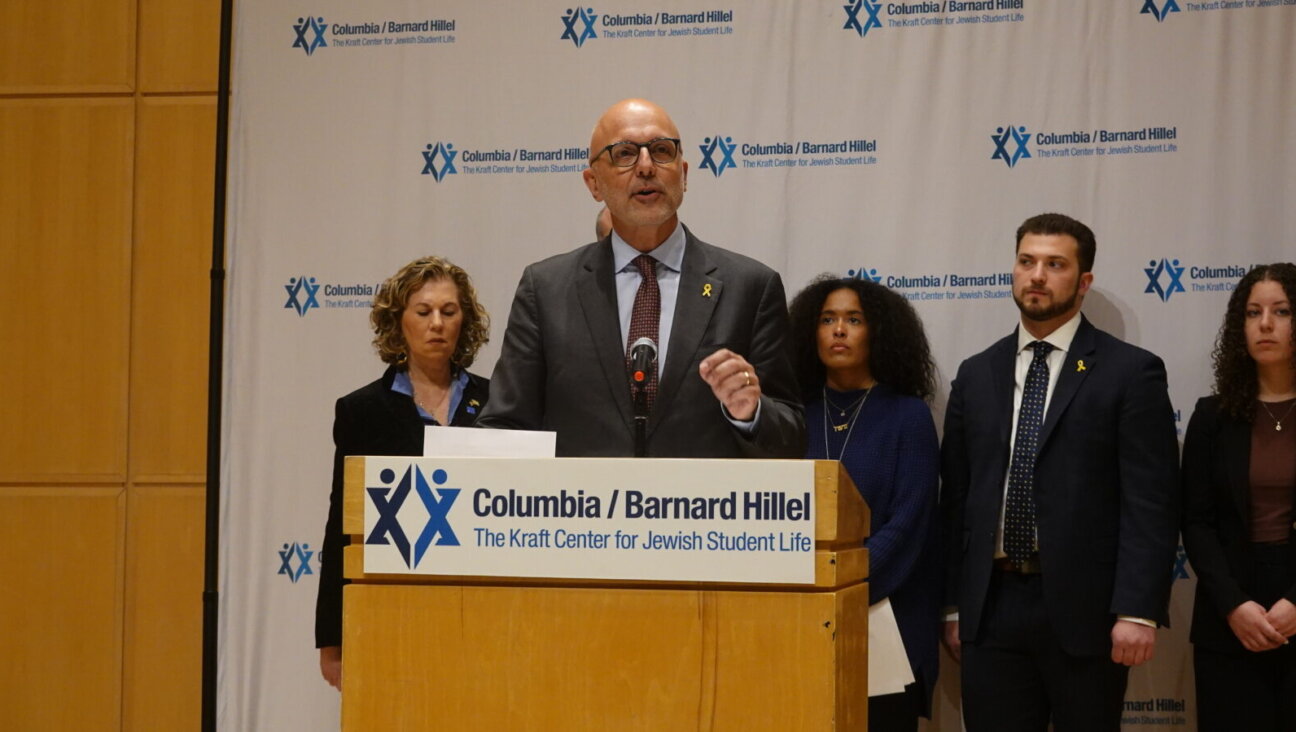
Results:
313 33
867 22
1014 143
722 152
438 160
1180 571
582 24
307 293
1159 11
295 561
864 274
1011 144
442 158
1166 277
578 26
941 286
1162 9
301 294
310 34
863 16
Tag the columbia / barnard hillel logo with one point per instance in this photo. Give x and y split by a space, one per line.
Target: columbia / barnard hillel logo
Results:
725 147
294 561
864 274
1181 565
301 294
314 27
387 529
1167 7
579 25
853 16
1016 135
1164 278
438 160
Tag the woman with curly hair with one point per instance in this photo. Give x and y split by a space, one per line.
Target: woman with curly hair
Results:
428 327
1239 473
865 370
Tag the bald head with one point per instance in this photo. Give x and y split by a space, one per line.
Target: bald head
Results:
629 114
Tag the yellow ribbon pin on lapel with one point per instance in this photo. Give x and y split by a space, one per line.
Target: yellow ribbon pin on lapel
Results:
1080 365
706 290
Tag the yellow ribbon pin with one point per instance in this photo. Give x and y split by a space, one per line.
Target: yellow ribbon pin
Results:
1080 365
706 290
474 403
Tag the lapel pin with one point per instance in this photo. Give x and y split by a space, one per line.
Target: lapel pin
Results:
1080 365
706 290
474 403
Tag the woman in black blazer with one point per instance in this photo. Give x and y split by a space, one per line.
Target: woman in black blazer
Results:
428 326
1239 472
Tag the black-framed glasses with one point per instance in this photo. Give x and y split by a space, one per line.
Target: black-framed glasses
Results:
625 154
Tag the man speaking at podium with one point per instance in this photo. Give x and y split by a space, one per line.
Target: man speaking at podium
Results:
721 385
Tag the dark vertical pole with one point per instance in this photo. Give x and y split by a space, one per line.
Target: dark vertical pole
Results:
215 374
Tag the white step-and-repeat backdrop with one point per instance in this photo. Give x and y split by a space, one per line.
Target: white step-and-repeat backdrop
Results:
898 141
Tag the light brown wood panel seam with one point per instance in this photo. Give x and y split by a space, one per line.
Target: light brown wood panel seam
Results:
67 95
178 94
63 481
178 480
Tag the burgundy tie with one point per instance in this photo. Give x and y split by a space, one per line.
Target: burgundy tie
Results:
645 317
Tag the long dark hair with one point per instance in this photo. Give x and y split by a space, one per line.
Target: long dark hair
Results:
1235 370
898 352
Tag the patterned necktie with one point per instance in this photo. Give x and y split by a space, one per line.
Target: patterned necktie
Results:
1019 514
645 317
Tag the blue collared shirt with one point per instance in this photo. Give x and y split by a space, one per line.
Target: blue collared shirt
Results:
670 260
401 385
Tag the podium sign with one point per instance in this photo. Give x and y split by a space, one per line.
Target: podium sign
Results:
746 521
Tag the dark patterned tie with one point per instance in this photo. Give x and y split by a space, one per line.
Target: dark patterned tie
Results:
645 318
1019 513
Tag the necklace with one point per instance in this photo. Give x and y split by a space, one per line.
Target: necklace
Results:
849 427
430 412
1278 422
841 411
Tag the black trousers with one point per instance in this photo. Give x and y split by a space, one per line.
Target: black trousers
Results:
896 712
1017 678
1241 690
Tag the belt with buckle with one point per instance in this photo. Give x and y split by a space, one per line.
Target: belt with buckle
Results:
1030 565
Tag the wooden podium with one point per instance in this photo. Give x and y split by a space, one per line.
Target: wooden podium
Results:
498 653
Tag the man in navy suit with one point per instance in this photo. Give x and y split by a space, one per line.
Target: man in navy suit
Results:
1059 468
723 386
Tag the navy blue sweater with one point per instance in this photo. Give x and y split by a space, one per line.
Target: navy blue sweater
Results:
894 458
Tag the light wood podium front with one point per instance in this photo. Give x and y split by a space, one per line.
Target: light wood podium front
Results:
495 653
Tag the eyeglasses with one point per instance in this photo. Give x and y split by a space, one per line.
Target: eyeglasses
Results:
625 154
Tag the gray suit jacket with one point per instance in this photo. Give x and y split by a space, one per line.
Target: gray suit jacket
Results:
562 365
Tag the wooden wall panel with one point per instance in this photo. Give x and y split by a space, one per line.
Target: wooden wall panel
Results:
65 201
169 313
60 610
67 46
164 580
179 44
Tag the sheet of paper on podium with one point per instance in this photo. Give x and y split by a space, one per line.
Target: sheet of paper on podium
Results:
888 669
441 441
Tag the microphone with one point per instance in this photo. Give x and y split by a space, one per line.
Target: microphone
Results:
643 353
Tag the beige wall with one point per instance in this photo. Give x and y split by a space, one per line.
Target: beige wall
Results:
107 136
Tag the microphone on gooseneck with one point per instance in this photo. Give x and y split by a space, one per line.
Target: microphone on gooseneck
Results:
643 353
